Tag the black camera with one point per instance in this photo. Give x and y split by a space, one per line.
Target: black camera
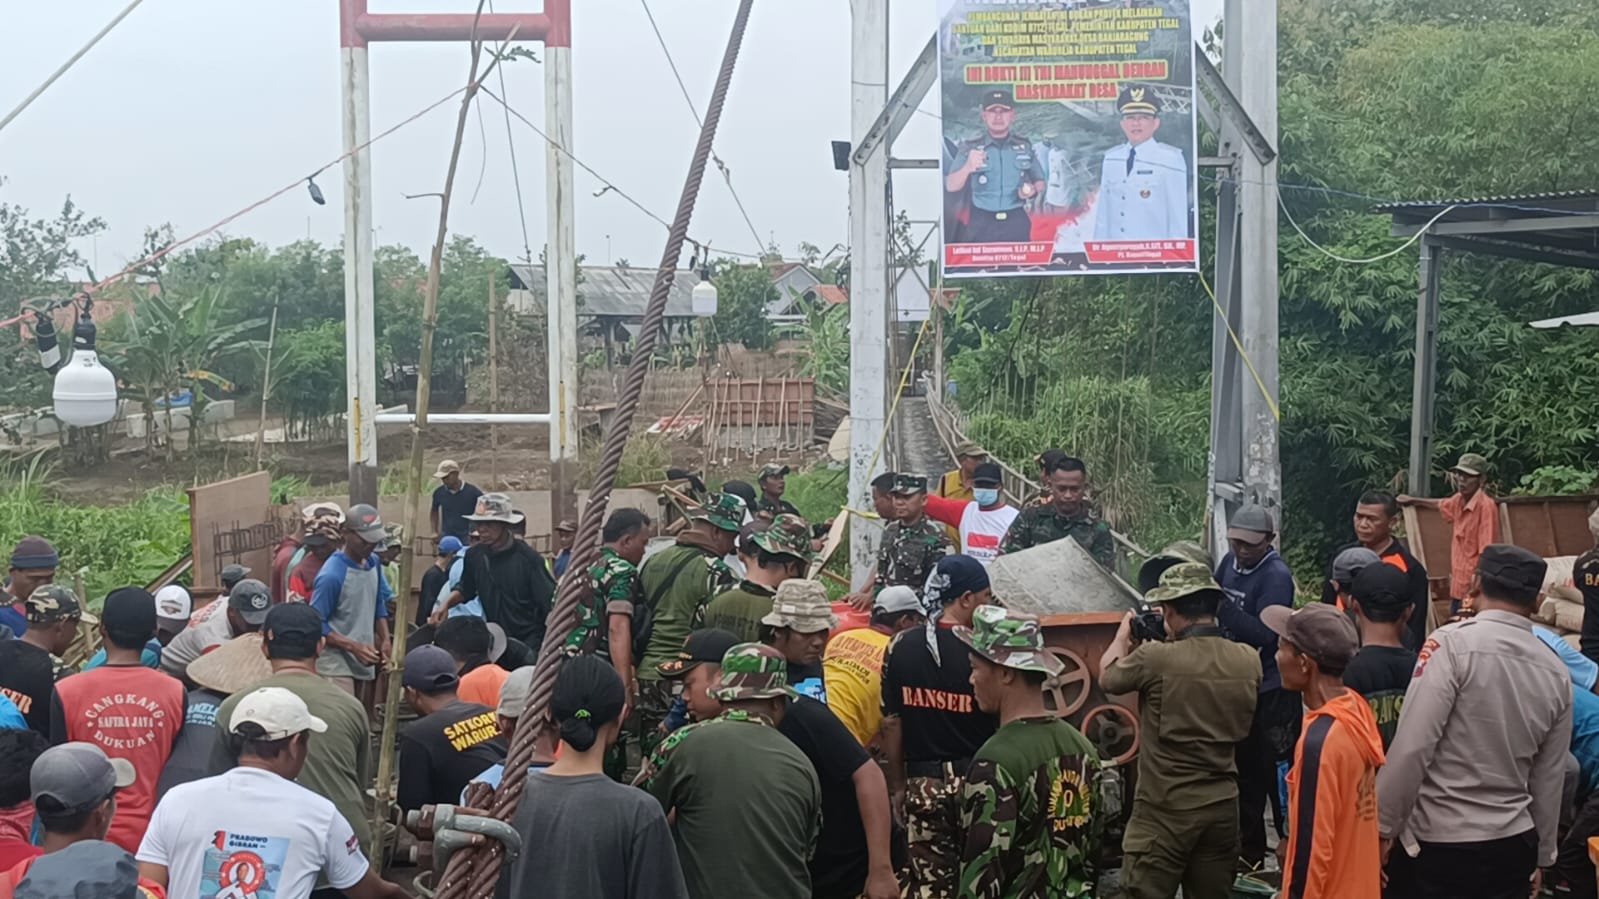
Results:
1148 625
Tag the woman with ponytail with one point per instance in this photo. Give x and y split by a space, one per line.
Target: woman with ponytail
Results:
584 834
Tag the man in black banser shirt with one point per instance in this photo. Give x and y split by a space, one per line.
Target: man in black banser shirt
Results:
931 723
451 743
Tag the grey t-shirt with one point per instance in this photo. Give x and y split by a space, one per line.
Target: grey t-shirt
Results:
592 837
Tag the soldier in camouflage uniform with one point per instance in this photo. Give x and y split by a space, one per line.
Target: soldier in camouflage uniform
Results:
1068 514
55 615
771 502
1030 808
607 611
781 552
747 800
676 584
912 545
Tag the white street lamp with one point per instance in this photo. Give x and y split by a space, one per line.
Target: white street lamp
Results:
704 297
85 391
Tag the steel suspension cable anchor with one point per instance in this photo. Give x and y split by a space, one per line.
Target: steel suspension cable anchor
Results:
473 872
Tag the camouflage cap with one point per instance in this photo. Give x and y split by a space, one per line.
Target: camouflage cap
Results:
55 602
315 511
773 470
1174 554
322 527
801 606
788 535
1187 579
752 671
1011 639
908 485
722 510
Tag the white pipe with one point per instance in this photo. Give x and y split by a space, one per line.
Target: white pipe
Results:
466 418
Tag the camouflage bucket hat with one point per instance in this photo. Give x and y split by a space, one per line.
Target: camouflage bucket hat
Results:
722 510
1010 639
55 602
316 511
801 606
788 535
753 671
393 535
495 507
1187 579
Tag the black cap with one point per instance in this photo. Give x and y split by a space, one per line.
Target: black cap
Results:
251 599
999 96
1381 587
705 645
1138 99
292 630
232 574
129 612
986 475
1512 566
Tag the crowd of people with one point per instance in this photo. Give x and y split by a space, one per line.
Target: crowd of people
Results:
720 733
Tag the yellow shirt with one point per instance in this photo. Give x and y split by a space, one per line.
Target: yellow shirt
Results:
852 669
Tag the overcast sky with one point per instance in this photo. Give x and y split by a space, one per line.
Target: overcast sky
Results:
192 109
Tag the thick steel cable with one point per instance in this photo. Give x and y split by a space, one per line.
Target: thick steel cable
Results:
472 873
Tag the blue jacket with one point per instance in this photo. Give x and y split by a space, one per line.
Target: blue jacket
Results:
1269 583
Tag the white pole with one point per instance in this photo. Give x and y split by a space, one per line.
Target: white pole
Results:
868 239
1251 71
360 338
465 418
561 269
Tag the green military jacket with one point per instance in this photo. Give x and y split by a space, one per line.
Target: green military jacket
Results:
613 589
739 611
1031 812
677 582
909 553
1040 524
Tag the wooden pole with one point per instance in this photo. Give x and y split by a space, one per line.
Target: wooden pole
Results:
494 385
424 383
266 383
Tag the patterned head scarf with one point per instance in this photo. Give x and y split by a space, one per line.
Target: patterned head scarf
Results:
954 577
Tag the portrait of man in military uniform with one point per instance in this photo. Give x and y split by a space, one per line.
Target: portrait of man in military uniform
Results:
1143 185
998 174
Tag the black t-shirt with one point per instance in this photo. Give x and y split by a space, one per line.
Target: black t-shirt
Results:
1398 555
26 678
807 679
938 714
433 581
1382 674
514 585
453 509
441 752
838 869
1585 575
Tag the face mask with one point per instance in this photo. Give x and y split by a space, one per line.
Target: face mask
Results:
986 496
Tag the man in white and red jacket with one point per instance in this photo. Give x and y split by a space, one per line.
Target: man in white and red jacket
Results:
981 521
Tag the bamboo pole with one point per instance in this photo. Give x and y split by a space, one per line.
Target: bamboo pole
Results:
494 384
424 382
266 382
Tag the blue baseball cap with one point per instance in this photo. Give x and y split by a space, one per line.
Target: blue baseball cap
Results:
449 546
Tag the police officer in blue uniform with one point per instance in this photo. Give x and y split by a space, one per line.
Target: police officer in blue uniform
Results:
999 172
1143 186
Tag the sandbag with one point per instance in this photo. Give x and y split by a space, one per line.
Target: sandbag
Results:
1562 614
1559 575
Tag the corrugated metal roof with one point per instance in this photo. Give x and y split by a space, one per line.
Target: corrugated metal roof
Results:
610 290
1507 200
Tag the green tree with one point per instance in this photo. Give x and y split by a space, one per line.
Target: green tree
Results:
36 256
743 294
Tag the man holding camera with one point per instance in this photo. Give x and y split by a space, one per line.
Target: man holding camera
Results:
1196 698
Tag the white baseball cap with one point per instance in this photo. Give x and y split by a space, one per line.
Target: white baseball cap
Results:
276 711
172 602
896 600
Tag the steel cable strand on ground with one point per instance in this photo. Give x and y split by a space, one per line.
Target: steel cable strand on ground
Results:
472 873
